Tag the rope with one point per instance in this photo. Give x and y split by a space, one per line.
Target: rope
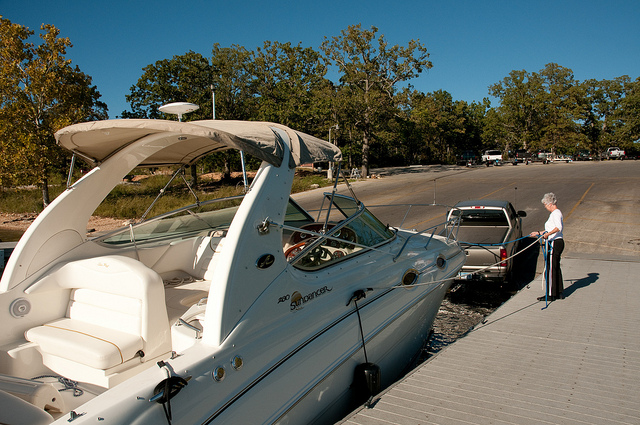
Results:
67 383
180 280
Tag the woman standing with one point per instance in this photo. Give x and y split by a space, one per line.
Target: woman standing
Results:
553 233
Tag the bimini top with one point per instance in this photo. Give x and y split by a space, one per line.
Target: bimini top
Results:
95 141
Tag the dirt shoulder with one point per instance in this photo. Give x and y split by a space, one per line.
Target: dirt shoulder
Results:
24 220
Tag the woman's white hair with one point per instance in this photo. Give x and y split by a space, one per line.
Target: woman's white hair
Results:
549 198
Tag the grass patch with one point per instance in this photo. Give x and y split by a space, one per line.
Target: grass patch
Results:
26 200
306 180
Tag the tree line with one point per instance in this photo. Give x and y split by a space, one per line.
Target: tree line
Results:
355 89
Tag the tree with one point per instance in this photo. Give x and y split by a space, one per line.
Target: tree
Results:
561 102
440 122
277 83
286 82
40 93
371 72
607 109
630 114
537 110
517 120
183 78
231 78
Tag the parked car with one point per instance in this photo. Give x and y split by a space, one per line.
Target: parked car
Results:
467 158
488 231
492 156
520 156
584 156
614 153
542 156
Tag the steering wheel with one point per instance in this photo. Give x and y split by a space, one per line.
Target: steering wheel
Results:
296 249
315 257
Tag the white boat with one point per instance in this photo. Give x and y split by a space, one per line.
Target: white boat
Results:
244 311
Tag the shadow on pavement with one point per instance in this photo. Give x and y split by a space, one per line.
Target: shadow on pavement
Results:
581 283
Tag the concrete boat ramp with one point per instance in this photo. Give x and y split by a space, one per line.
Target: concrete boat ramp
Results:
575 362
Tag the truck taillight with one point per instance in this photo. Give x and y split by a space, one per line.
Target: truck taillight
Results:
503 257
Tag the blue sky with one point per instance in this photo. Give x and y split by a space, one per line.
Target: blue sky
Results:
472 43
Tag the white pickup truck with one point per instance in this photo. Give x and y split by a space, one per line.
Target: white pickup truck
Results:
492 156
488 231
614 153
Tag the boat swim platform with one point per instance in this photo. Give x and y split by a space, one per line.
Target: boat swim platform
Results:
575 362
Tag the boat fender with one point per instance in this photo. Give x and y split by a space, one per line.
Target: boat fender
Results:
367 381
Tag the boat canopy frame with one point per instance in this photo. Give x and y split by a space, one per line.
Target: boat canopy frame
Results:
96 141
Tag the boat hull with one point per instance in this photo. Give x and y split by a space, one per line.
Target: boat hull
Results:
327 370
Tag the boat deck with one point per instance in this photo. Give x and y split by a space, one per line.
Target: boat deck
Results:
575 362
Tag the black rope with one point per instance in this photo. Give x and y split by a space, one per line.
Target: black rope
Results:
359 294
165 390
166 404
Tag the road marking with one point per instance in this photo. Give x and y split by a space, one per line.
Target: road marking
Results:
579 201
497 190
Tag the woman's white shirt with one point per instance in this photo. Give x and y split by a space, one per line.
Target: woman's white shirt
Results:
555 220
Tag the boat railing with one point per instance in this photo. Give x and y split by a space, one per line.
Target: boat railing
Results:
444 227
447 228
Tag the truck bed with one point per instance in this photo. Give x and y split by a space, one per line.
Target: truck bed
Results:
482 234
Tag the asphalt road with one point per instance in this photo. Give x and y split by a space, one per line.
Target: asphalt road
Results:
600 201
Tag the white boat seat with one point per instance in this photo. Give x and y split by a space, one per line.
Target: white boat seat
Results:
94 346
116 313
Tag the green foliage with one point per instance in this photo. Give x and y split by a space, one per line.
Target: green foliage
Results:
286 80
629 115
552 111
40 92
370 74
184 78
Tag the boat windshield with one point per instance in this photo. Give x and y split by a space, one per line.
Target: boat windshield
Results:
189 221
343 230
193 220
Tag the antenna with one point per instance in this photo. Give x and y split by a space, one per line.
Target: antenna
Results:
178 108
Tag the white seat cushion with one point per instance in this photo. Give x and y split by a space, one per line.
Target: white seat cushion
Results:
85 343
